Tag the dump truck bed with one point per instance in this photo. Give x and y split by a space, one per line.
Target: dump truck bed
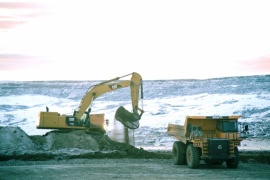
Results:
178 131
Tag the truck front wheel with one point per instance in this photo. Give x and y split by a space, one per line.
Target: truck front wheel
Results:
193 156
179 153
233 163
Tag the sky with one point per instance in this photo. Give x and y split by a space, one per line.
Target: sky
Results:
103 39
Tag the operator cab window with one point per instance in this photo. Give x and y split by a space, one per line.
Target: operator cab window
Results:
227 126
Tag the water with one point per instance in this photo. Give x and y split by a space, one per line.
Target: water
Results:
164 101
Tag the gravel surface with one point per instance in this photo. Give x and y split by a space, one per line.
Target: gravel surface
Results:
126 168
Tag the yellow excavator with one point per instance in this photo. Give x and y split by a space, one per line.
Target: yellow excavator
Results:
82 119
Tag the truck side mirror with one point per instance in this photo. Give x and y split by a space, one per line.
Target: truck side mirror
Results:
246 127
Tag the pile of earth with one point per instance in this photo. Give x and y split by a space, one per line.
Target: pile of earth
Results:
16 144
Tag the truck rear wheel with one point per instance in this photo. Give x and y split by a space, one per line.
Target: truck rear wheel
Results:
179 153
193 156
233 163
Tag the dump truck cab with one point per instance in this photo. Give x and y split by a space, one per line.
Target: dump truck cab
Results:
214 139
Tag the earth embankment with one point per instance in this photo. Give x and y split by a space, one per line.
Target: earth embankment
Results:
16 144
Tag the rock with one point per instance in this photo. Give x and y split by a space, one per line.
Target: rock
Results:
74 139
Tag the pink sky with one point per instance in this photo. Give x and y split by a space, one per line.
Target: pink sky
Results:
44 40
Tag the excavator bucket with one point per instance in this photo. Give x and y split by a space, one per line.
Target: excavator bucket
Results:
128 119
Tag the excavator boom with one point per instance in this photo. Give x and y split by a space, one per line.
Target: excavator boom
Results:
95 92
127 118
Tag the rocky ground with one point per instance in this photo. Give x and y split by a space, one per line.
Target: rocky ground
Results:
16 144
83 155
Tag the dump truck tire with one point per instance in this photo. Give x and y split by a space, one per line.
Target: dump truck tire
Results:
179 153
193 156
233 163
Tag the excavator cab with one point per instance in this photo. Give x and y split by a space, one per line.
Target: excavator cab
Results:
84 120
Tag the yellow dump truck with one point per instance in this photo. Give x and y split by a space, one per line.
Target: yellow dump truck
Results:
214 139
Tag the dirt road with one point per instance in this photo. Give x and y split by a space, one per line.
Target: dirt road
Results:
125 169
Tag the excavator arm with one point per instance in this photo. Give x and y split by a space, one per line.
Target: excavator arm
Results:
131 120
128 119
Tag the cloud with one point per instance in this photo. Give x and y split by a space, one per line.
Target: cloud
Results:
260 64
10 24
18 13
18 62
22 5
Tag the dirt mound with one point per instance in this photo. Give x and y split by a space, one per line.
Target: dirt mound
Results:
16 144
73 139
14 141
